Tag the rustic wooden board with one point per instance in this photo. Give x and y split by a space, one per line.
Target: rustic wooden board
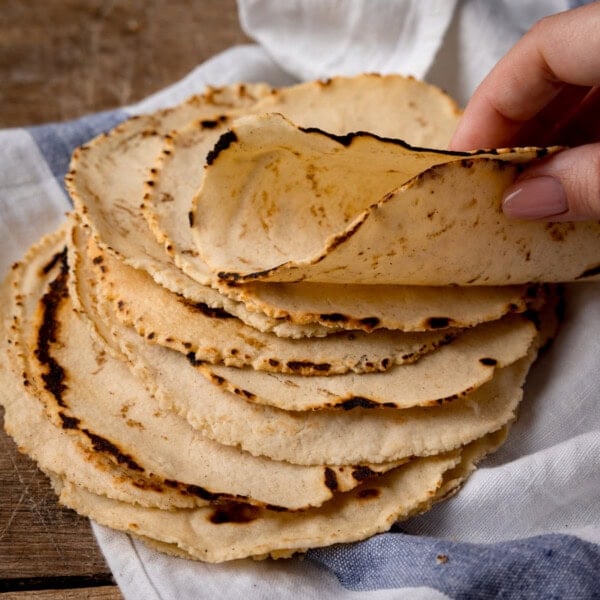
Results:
38 538
60 60
98 593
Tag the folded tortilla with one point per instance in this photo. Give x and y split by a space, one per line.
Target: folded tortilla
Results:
280 202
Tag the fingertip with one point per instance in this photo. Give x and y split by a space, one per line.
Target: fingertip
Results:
480 127
460 139
562 187
535 198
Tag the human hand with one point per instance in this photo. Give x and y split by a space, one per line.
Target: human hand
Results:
545 91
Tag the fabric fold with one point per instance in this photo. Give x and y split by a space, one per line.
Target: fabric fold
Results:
314 38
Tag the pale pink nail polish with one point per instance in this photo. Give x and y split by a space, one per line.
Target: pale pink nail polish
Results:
535 198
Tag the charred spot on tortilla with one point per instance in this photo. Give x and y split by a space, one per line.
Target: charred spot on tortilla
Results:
145 484
347 139
228 276
218 379
591 272
55 377
234 512
370 322
200 492
488 362
205 309
559 231
244 393
333 317
68 422
356 402
101 444
234 276
331 479
58 258
325 82
300 365
213 123
438 322
191 356
447 399
208 124
276 508
362 472
226 139
369 494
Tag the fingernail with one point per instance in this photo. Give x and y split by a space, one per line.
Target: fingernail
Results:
535 198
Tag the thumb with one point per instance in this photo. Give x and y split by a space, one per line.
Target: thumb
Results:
563 187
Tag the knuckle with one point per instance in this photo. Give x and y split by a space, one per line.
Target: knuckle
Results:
585 200
541 26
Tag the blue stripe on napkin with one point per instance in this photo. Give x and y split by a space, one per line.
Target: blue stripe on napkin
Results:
548 566
57 141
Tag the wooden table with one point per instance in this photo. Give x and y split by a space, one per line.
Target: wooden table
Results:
60 60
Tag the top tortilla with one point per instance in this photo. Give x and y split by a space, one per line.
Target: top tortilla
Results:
372 210
389 106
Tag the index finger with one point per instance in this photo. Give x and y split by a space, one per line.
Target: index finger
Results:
560 50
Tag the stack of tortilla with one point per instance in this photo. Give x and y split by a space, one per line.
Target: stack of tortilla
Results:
279 319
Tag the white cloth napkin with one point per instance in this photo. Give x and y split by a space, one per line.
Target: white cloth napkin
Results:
527 523
451 43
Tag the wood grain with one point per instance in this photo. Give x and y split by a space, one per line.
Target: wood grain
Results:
94 593
38 538
62 59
